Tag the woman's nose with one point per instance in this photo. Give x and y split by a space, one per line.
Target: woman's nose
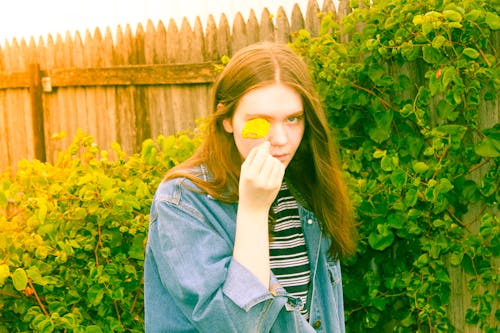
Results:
277 135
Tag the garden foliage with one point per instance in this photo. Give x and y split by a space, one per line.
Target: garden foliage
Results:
411 89
73 234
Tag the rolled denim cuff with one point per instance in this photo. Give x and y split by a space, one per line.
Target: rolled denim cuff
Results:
243 288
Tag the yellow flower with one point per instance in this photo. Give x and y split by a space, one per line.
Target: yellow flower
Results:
256 128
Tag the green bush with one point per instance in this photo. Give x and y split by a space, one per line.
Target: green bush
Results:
413 96
409 96
73 234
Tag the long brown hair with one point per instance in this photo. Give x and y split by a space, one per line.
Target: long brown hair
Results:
314 171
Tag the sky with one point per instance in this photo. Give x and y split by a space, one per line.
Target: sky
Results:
37 18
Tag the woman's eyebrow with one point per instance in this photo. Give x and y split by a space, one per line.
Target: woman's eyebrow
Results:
266 116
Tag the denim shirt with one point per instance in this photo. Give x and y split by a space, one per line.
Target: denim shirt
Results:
193 284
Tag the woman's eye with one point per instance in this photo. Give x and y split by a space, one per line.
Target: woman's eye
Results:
294 119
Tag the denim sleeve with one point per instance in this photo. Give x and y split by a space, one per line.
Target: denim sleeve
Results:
334 270
196 267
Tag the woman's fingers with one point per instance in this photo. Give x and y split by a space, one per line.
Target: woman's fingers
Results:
261 176
259 164
257 155
272 170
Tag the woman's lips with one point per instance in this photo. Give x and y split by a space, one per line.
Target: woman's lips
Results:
281 157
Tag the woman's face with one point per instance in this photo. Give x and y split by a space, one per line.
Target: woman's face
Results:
282 107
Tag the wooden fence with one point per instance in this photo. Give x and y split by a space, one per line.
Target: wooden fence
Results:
125 87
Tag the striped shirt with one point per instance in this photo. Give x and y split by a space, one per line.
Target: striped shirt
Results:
287 249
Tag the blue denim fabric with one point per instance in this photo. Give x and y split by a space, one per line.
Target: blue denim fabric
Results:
192 283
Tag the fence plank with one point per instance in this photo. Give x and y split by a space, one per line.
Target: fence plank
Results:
297 19
211 44
150 43
266 26
223 37
138 46
14 80
329 7
239 38
6 159
282 26
160 44
125 118
312 19
133 75
19 125
37 112
2 60
253 29
142 117
198 42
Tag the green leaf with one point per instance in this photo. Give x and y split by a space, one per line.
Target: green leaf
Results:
35 275
382 239
379 134
471 53
449 75
45 326
407 110
112 238
327 24
423 260
387 163
375 73
452 15
493 21
488 147
446 111
453 130
398 178
381 129
370 30
4 273
396 221
411 197
391 22
136 251
420 167
427 28
19 279
473 15
435 85
93 329
72 297
409 51
3 200
418 19
95 294
455 25
379 153
438 41
431 55
444 186
42 209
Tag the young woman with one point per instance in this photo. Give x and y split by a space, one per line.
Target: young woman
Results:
246 235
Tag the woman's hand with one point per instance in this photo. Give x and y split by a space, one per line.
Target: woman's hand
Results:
260 181
260 178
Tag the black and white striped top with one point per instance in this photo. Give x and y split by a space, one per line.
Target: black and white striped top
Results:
287 249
